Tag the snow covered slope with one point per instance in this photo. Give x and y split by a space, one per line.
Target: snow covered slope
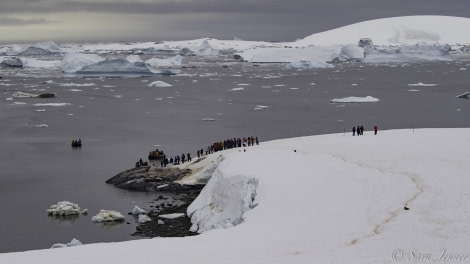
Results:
408 30
320 199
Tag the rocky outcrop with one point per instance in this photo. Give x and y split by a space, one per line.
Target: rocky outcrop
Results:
150 178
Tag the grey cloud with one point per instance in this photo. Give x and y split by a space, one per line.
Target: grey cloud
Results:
12 21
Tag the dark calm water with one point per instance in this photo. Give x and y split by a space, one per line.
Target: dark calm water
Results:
119 119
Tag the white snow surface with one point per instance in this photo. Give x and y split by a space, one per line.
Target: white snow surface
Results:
317 200
407 30
355 99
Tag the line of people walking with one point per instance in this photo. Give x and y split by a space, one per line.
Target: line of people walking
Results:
217 146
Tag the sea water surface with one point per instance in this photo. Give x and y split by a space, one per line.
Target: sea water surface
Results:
120 120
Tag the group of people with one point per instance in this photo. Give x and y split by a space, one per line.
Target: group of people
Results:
76 143
360 130
228 144
217 146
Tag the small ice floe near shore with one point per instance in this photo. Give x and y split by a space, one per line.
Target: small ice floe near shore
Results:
74 242
65 208
108 216
159 84
138 211
423 84
353 99
172 216
144 218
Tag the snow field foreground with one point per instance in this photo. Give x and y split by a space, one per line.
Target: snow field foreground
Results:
320 199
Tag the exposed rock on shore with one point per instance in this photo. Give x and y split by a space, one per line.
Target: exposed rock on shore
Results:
150 178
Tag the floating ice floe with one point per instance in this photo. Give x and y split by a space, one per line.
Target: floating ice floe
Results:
159 84
144 218
52 104
238 89
77 84
353 99
138 211
305 65
261 107
108 216
422 84
172 216
74 242
65 208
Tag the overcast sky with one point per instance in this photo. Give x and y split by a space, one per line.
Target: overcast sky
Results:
28 21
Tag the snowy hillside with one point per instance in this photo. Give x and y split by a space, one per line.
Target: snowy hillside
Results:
320 199
408 30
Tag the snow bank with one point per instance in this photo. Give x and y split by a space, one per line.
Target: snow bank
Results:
108 216
74 242
65 208
353 99
223 201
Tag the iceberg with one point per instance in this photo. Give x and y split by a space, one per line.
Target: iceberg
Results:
14 62
415 53
40 48
76 64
